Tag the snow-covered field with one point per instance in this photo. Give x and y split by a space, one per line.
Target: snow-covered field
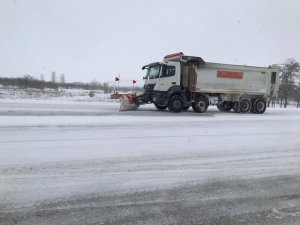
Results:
71 162
62 94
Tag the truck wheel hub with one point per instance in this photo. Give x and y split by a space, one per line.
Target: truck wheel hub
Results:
201 104
260 106
244 106
177 104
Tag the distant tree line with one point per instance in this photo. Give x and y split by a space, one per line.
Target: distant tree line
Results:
28 81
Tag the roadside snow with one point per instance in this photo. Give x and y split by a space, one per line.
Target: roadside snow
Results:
61 94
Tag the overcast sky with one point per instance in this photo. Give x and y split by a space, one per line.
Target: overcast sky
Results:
98 39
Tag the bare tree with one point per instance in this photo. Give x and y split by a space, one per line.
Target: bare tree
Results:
106 87
62 78
53 77
295 94
27 81
289 70
93 84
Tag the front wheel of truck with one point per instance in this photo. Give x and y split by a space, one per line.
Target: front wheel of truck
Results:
175 103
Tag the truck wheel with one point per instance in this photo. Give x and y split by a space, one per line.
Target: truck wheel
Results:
227 106
245 105
260 106
175 103
160 107
236 107
201 104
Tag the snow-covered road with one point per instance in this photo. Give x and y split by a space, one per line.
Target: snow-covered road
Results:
87 163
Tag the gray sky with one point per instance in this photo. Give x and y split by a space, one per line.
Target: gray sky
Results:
98 39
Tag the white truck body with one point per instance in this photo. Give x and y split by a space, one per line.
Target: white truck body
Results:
253 80
191 77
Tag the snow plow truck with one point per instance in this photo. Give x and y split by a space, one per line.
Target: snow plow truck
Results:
181 82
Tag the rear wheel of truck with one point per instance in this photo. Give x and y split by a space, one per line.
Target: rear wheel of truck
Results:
175 103
260 106
160 107
245 106
201 104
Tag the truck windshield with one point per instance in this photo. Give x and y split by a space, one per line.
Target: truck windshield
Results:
153 72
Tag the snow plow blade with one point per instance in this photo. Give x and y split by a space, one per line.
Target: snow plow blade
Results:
128 101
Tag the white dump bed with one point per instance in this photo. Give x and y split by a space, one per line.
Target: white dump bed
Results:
236 79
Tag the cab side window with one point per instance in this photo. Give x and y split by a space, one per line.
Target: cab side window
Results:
168 71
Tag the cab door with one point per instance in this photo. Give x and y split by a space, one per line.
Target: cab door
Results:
169 76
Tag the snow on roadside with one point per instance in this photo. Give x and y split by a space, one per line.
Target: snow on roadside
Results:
61 94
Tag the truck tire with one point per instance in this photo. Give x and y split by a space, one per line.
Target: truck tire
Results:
236 107
201 104
175 103
260 106
245 105
160 107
